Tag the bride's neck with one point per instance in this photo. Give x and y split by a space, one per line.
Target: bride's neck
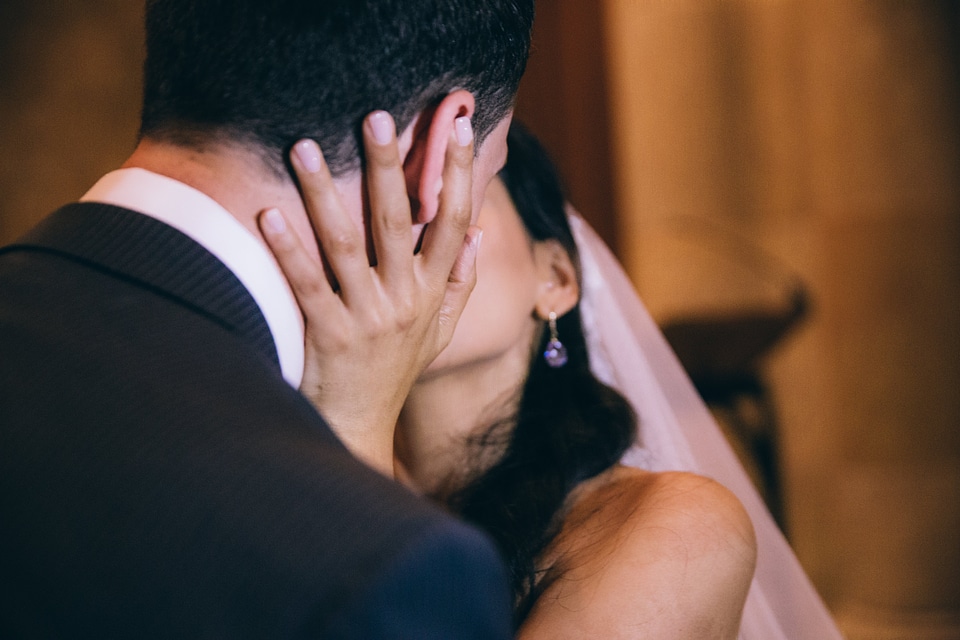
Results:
443 412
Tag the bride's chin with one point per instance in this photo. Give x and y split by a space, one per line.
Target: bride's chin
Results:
452 360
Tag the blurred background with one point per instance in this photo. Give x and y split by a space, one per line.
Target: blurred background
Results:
781 179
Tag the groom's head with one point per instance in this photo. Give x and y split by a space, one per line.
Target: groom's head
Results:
265 74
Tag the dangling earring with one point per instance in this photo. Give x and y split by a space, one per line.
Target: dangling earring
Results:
556 353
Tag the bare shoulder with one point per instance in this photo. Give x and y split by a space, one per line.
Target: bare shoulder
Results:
663 555
627 510
706 512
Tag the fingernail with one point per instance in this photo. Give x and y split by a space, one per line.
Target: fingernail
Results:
382 126
309 153
274 221
476 237
463 130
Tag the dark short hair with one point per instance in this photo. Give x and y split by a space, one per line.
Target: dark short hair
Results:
269 73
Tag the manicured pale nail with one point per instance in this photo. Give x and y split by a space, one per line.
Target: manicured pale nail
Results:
309 153
475 237
463 130
382 126
274 221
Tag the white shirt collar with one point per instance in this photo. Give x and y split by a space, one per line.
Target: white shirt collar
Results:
210 225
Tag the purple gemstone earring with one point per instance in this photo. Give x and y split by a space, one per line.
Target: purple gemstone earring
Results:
556 353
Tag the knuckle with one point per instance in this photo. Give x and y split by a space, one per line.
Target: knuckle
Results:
309 287
396 222
335 337
343 243
406 313
376 324
461 210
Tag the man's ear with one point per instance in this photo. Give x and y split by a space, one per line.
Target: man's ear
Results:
559 290
423 165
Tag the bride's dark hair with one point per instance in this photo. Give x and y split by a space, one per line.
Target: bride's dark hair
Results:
569 426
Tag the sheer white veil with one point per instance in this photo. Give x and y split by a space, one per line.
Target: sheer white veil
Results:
677 432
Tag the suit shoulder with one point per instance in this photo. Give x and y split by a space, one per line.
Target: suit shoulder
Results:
448 583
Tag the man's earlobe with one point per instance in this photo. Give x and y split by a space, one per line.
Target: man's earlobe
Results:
424 163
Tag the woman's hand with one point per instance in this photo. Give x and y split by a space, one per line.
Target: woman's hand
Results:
369 339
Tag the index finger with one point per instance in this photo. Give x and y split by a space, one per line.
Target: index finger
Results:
341 240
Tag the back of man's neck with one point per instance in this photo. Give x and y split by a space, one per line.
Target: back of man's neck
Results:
233 176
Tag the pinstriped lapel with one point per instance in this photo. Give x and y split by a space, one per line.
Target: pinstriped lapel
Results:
141 249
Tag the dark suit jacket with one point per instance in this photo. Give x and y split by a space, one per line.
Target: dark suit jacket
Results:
158 478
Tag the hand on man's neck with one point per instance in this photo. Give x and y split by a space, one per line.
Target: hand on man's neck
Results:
237 179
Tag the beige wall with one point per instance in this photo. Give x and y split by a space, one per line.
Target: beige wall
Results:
69 100
824 133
